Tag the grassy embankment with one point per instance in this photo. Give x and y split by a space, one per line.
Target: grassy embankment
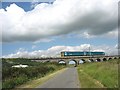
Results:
99 74
13 77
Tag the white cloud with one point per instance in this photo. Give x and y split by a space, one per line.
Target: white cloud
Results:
112 34
117 46
44 40
34 3
34 46
55 51
94 17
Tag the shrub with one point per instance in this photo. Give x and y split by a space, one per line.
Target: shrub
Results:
17 76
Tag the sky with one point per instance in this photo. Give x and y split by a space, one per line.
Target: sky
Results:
44 29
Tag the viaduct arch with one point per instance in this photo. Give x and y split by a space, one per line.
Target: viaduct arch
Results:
86 60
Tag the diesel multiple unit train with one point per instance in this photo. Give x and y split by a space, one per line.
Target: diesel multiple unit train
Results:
77 54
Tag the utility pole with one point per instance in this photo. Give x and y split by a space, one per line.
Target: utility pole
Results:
89 52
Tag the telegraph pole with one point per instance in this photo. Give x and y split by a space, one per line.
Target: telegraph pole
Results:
89 52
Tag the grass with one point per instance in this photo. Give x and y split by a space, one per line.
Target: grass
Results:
39 81
99 74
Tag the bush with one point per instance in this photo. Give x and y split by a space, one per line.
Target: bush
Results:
11 83
17 76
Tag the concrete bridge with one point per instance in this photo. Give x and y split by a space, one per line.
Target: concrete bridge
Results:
66 60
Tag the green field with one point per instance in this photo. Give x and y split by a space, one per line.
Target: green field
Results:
99 74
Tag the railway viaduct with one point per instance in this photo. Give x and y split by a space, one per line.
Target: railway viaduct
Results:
75 59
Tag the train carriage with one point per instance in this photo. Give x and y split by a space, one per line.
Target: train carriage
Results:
77 54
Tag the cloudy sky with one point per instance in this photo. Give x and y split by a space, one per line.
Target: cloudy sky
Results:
43 29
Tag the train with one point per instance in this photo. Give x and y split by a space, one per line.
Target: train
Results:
77 54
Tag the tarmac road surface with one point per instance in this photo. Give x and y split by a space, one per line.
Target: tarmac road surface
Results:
67 79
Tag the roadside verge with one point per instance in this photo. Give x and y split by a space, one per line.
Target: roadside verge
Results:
37 82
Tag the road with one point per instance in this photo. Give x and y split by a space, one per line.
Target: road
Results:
66 79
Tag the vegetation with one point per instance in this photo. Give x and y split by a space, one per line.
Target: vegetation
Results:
37 82
13 77
99 74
